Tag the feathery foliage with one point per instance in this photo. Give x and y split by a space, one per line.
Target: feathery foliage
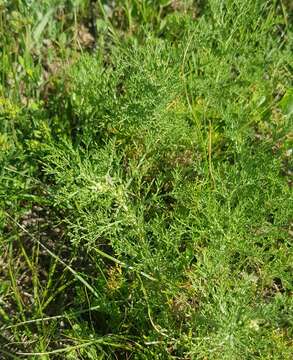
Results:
146 208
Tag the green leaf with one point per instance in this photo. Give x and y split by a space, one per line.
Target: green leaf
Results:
286 104
41 25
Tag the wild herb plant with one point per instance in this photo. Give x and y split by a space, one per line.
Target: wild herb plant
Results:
147 203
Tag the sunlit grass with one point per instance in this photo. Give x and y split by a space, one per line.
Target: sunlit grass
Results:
145 166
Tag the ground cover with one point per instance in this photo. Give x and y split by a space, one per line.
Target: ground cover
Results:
146 174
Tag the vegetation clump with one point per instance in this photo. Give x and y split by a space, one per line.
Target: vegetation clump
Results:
145 166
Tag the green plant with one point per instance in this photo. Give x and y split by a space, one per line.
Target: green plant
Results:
147 203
